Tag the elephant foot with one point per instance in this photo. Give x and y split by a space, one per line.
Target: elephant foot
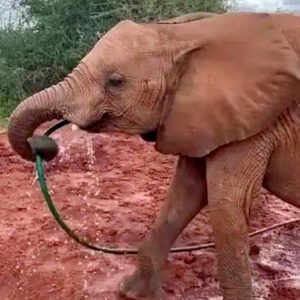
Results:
140 286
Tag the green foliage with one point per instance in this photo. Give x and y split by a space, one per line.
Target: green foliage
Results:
55 34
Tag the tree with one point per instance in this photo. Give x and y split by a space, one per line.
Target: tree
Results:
55 34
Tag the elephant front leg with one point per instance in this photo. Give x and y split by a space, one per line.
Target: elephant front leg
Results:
234 178
186 197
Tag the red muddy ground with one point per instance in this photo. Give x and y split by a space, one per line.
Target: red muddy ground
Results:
110 187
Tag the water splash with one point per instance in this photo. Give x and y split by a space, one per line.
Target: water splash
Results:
66 140
90 153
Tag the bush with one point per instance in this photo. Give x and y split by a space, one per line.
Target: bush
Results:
55 34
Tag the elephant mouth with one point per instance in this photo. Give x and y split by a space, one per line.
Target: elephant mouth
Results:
105 126
97 126
149 136
92 129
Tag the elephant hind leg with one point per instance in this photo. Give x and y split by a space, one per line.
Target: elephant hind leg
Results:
282 176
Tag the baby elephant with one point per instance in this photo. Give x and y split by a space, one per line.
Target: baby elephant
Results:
221 92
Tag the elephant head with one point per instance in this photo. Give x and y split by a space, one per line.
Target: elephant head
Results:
195 85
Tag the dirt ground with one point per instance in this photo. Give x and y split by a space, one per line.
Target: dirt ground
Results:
110 188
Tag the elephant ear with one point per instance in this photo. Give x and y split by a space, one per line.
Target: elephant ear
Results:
235 83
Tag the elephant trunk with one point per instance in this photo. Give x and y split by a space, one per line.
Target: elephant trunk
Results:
44 106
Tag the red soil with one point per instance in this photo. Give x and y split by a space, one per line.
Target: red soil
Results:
110 188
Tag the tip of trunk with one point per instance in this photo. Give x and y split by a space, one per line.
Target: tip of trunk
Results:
43 146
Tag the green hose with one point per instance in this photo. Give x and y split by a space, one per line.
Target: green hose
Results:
44 188
83 241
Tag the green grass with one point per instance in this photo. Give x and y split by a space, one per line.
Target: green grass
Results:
3 123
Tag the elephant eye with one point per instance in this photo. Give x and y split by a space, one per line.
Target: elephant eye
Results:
114 82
